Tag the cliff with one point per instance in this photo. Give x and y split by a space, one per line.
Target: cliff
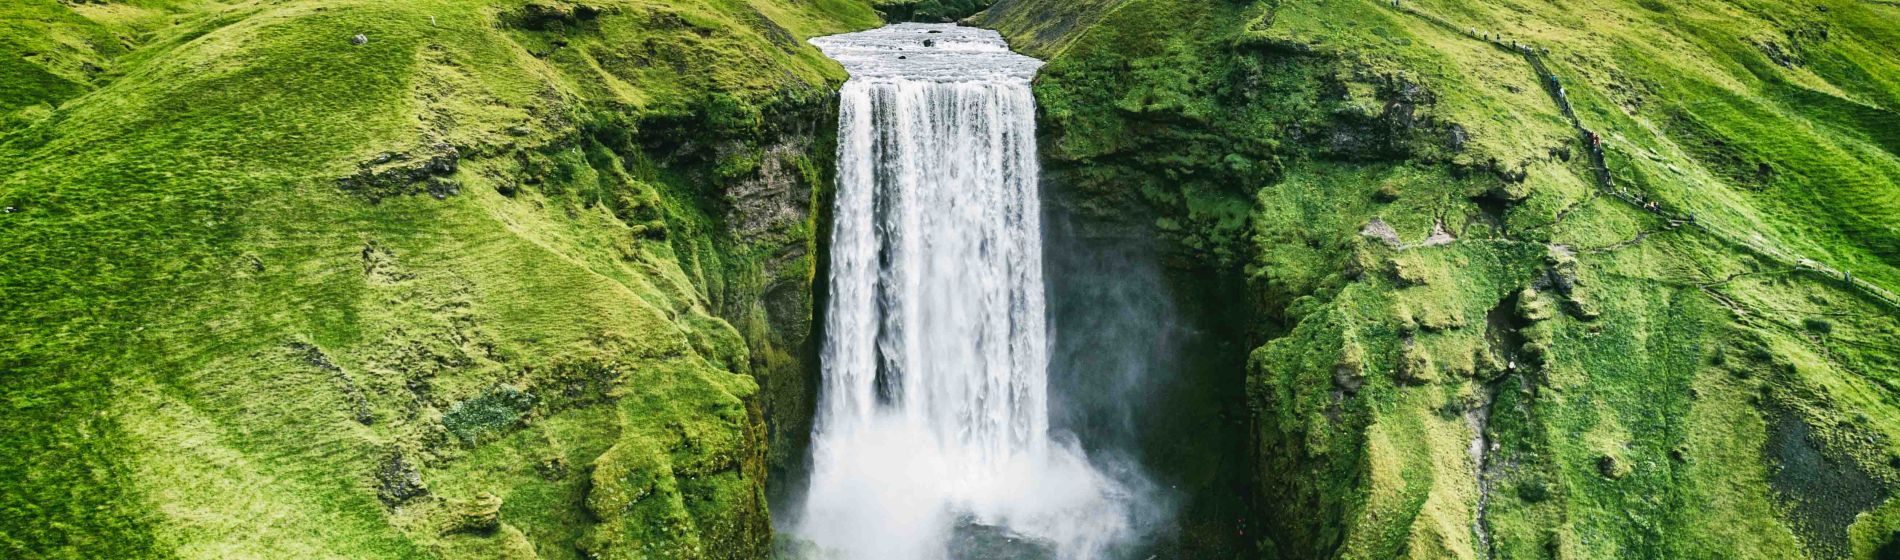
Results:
1552 280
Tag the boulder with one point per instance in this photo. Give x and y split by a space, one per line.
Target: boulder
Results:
397 481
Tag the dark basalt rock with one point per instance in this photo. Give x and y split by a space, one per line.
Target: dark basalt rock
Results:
1349 377
386 176
552 15
1612 468
397 481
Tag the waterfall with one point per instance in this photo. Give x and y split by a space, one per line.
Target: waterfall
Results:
933 420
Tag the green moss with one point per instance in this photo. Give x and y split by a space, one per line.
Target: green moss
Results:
928 10
1599 317
179 223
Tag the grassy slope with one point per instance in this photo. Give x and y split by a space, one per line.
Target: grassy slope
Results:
1676 391
198 316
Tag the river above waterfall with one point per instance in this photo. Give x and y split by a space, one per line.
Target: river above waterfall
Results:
932 437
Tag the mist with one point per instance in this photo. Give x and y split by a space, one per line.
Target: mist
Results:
1147 370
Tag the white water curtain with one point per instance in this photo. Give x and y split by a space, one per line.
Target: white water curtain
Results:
934 408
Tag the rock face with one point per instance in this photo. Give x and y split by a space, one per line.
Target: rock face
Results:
778 198
760 259
929 11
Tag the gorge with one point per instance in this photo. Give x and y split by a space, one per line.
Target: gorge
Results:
801 279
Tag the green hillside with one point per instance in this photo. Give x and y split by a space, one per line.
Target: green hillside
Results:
1471 344
535 278
493 283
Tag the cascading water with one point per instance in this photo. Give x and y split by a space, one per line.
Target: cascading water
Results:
933 420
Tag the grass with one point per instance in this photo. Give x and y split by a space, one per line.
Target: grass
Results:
583 328
181 234
1635 425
